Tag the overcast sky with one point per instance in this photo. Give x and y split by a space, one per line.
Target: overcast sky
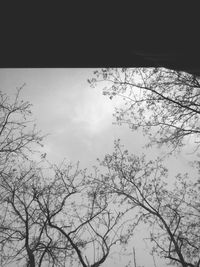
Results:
79 120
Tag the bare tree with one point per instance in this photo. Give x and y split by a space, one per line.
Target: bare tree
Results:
173 214
49 214
164 100
57 218
17 133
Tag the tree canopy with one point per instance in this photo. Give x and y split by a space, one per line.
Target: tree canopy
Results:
163 103
50 215
158 98
61 215
172 212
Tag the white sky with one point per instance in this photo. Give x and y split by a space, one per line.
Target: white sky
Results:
79 121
